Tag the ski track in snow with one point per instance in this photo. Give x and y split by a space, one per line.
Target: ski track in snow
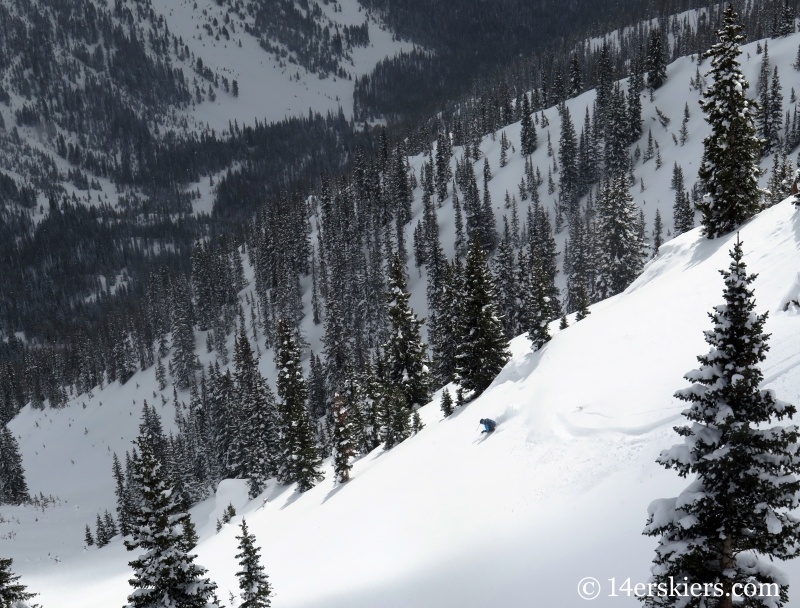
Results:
449 517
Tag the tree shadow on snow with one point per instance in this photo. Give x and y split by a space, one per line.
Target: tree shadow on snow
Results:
335 490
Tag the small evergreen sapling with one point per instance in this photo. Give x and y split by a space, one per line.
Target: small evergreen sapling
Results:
253 581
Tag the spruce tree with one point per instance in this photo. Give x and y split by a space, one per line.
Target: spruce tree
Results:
620 245
183 362
13 487
406 360
527 135
164 574
536 303
656 60
483 347
301 460
87 536
343 439
730 168
446 404
395 417
658 229
12 592
253 581
735 516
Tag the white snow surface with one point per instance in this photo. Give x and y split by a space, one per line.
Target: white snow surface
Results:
451 517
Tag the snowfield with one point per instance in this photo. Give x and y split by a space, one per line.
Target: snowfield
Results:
452 517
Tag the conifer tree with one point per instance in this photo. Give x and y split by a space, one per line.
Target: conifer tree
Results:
183 362
527 135
301 460
395 417
13 487
406 360
164 574
735 516
343 439
483 348
620 245
730 168
658 229
656 60
253 454
253 581
87 536
536 303
12 592
446 404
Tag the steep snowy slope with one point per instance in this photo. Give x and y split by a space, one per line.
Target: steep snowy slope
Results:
451 517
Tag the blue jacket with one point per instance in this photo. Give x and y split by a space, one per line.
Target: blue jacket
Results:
488 425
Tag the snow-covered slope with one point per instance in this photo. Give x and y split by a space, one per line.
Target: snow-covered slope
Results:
270 90
450 517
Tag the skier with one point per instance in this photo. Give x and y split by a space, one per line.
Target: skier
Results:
488 425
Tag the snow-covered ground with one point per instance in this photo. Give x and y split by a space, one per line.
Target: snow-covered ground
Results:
268 91
451 517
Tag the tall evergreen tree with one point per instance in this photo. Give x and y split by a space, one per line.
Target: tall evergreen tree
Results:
183 364
736 513
253 581
406 360
164 574
620 245
301 460
12 592
343 439
730 168
395 417
13 487
527 137
656 60
535 302
483 348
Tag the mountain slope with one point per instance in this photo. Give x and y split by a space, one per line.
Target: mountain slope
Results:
451 517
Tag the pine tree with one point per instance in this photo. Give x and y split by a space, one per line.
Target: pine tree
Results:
658 229
483 348
13 487
527 137
446 404
395 417
575 76
87 536
253 581
301 460
656 60
730 169
343 439
183 362
620 245
568 183
785 21
164 574
406 360
536 303
737 510
12 593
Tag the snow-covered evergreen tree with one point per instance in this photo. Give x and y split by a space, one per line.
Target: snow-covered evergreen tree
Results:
446 404
165 576
301 460
483 347
343 439
527 135
406 359
730 168
12 592
619 242
735 516
535 302
253 581
656 60
13 487
395 417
